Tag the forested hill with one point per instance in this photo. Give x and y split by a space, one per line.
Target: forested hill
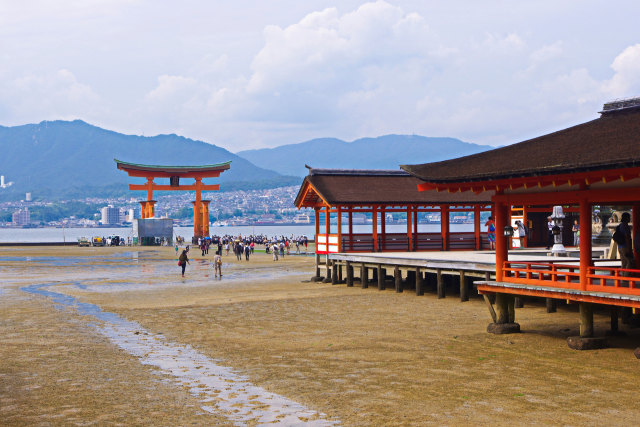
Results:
384 152
72 158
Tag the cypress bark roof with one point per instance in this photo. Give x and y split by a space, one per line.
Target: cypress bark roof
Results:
609 142
369 187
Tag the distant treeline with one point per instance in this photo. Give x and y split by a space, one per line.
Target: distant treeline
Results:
113 191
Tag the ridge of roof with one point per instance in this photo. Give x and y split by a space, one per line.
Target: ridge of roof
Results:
357 172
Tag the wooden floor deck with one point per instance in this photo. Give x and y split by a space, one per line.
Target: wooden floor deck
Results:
458 268
606 298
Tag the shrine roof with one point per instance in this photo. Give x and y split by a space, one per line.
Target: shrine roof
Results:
609 142
340 187
173 169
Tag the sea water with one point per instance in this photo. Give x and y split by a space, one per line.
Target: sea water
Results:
71 235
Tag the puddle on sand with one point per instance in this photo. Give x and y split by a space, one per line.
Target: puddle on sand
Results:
221 390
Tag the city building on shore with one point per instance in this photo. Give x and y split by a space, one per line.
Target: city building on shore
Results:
21 217
110 215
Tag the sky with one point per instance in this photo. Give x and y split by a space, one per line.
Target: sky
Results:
254 74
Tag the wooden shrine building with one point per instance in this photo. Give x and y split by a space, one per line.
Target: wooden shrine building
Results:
594 163
339 196
174 174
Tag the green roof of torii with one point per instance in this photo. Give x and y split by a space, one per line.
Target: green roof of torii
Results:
172 168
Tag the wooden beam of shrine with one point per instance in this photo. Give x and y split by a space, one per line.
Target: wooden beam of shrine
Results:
203 187
612 195
426 186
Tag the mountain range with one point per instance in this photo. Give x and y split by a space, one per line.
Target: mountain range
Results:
62 158
384 152
65 159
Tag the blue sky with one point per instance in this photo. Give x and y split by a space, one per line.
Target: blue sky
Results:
251 74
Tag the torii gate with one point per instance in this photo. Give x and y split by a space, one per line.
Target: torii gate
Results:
174 173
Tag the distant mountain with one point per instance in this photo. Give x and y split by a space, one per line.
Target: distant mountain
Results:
384 152
62 158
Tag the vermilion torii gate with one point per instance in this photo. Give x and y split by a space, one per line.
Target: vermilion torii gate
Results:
174 173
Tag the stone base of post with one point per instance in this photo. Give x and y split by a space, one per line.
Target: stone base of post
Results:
587 343
503 328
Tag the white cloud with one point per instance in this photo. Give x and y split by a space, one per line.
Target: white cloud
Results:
509 43
41 94
326 49
626 80
244 74
172 89
546 53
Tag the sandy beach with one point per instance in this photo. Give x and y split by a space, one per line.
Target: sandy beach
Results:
116 336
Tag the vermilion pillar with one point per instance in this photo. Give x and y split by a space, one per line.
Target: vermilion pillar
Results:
197 210
502 244
339 229
374 224
197 219
327 225
410 228
383 231
149 188
350 219
151 209
316 212
444 226
635 222
585 242
205 217
143 210
476 226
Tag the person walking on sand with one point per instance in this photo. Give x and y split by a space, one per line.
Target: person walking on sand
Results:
184 260
217 265
491 233
275 252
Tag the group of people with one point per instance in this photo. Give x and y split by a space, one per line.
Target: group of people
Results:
242 247
521 231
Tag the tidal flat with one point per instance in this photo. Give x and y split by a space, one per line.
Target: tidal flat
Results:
116 336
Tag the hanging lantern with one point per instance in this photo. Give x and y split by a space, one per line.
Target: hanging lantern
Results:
508 231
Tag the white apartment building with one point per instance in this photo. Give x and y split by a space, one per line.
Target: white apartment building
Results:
110 215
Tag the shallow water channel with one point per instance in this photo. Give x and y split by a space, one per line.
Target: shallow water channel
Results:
219 388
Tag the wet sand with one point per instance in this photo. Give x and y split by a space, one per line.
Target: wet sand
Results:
357 356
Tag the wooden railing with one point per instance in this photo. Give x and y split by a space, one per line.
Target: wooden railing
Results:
427 242
462 241
399 242
617 280
567 276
